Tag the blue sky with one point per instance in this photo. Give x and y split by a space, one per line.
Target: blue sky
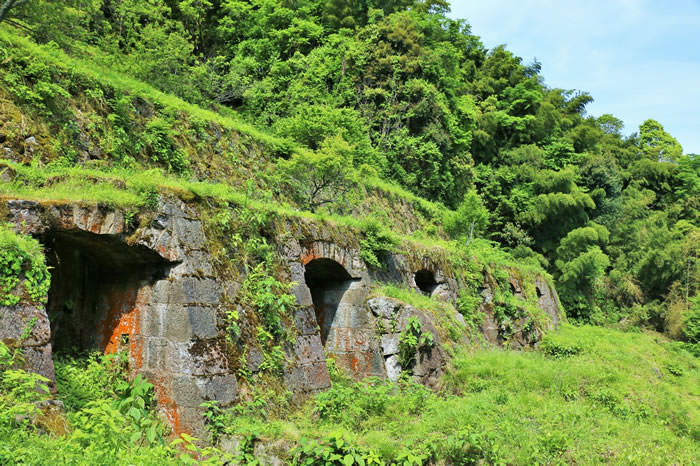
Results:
639 59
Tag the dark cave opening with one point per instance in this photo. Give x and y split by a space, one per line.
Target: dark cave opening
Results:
328 282
95 280
425 281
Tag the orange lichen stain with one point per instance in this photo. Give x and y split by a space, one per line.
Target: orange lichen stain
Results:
308 257
123 323
355 364
168 406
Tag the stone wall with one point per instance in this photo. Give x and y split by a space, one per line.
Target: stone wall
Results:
153 292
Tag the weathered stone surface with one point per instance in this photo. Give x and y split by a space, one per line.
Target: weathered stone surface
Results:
307 378
14 321
306 321
393 368
39 359
390 344
186 391
198 291
548 300
26 215
255 358
303 295
156 353
203 321
271 453
349 340
178 326
361 363
200 357
308 349
222 388
384 307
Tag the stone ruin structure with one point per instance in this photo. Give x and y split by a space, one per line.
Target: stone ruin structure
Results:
155 294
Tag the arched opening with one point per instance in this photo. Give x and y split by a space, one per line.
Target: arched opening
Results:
328 282
539 292
95 281
425 281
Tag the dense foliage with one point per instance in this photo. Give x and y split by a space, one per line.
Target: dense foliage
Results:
400 88
137 97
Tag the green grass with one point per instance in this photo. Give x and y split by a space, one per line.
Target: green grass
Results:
626 398
135 88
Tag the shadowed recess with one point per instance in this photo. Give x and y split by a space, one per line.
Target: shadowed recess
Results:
328 281
95 280
425 281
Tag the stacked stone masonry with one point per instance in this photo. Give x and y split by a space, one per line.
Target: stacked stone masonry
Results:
169 320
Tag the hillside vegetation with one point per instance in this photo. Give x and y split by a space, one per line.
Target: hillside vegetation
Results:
386 118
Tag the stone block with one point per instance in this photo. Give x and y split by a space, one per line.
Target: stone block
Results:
390 344
196 291
163 292
222 388
349 340
153 319
302 294
177 324
254 359
203 321
351 316
156 353
189 233
39 359
393 368
308 378
308 349
384 307
15 320
305 320
361 364
186 391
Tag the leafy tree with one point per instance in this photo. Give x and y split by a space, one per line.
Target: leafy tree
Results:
471 218
657 144
320 178
7 5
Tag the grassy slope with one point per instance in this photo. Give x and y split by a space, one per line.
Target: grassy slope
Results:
626 398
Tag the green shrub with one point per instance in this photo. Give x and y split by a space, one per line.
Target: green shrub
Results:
161 147
351 403
377 242
691 321
336 449
412 340
20 254
556 347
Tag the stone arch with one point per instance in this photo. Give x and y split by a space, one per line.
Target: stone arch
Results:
328 282
94 297
346 328
425 281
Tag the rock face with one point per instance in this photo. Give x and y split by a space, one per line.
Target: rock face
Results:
392 318
153 292
29 321
155 296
